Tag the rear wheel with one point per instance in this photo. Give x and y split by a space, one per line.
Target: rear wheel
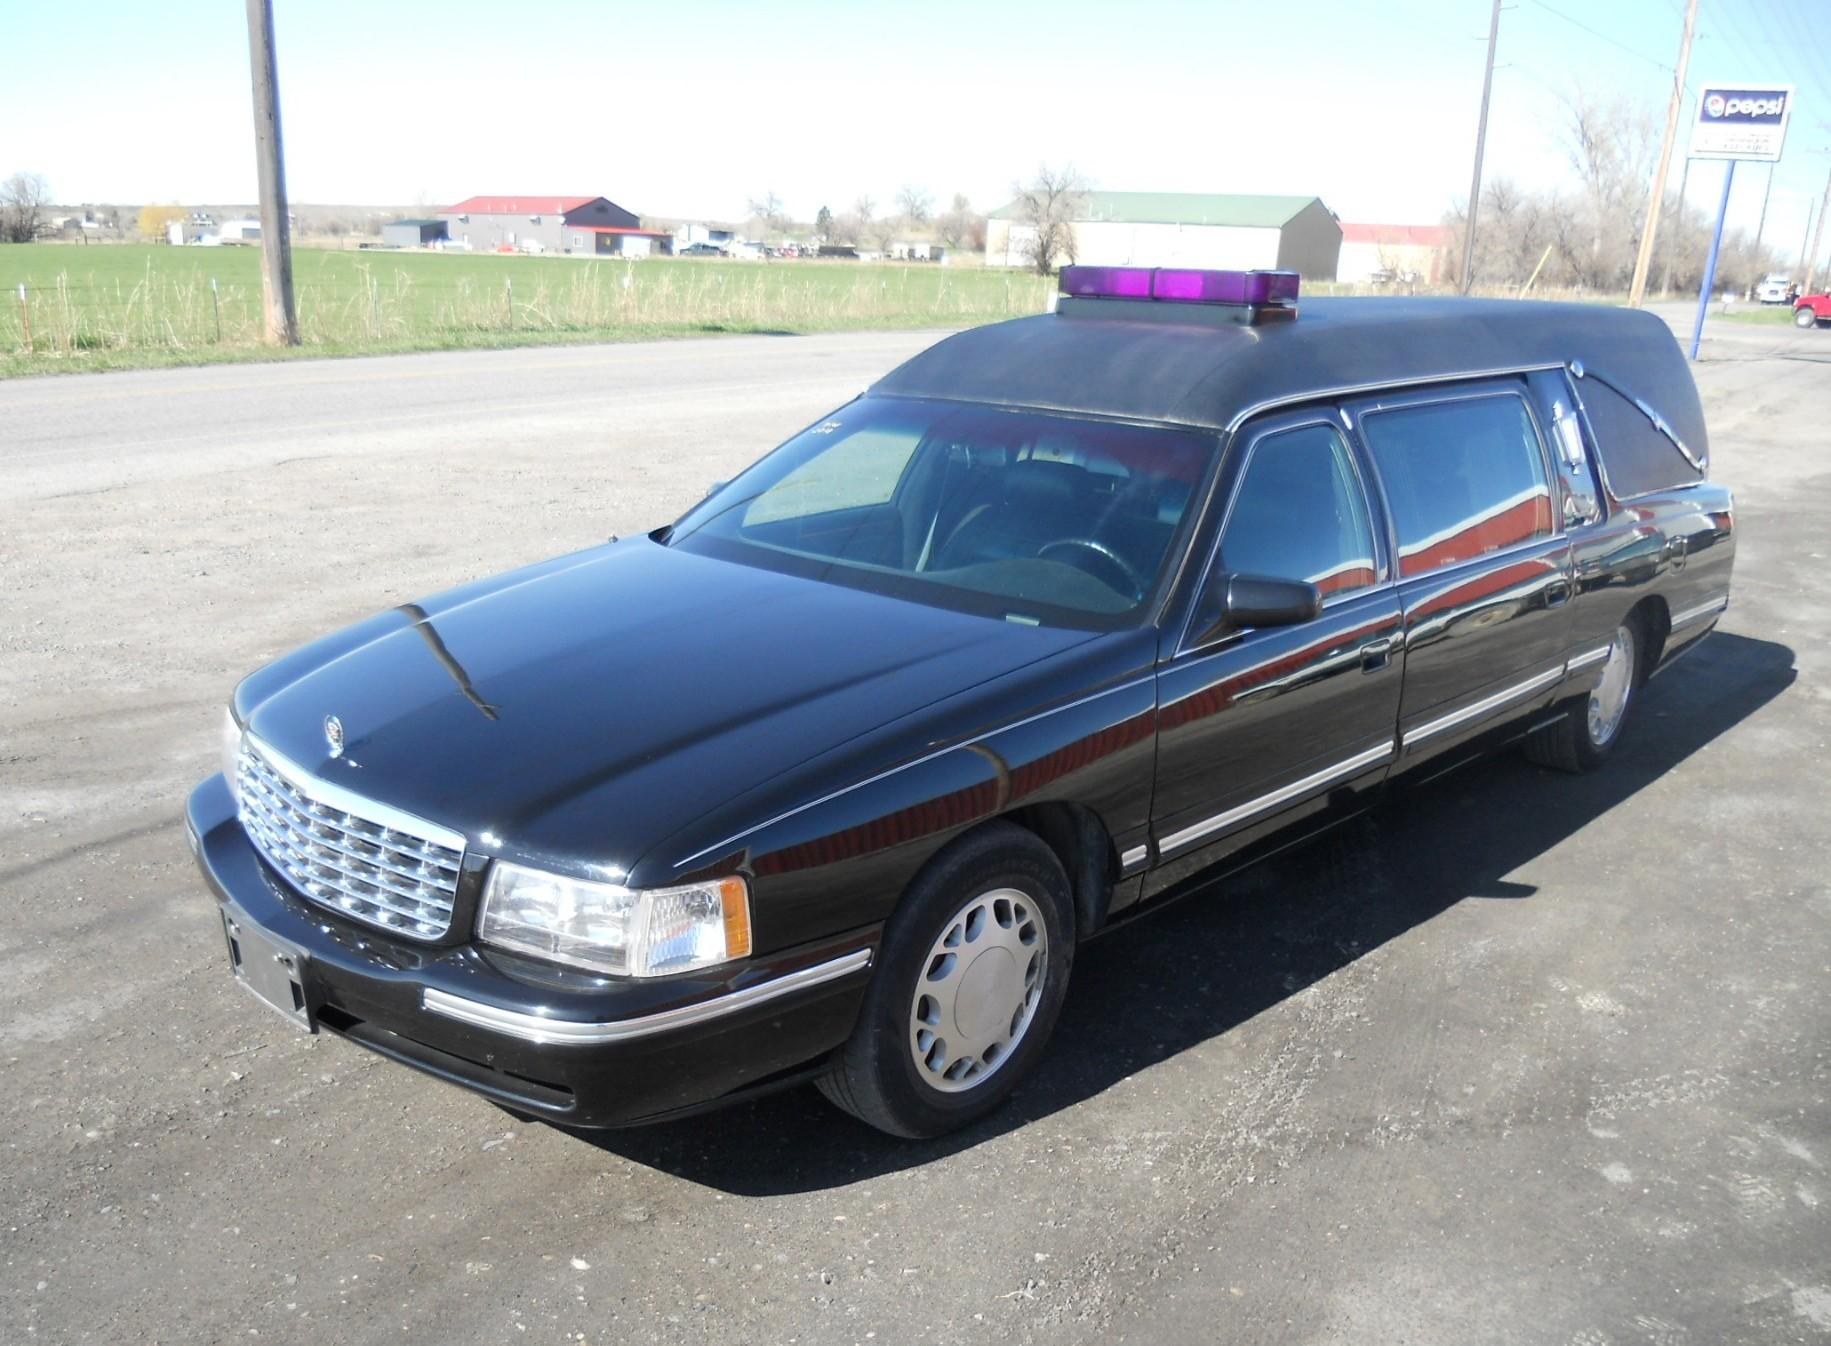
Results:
1591 727
970 978
1805 316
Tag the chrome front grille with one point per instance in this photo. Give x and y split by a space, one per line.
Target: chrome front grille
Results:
353 855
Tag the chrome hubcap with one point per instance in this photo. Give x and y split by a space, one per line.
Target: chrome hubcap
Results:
978 990
1608 703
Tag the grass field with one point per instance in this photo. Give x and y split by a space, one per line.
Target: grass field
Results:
1765 313
128 305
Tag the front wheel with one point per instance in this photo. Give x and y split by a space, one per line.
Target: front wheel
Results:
970 978
1805 316
1589 730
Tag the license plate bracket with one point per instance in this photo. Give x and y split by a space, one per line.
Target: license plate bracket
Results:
272 972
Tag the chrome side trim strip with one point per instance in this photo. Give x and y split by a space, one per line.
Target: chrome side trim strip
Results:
1516 692
915 762
1131 859
1595 656
537 1028
1329 774
1698 613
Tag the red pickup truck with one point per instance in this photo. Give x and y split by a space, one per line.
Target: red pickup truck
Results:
1809 310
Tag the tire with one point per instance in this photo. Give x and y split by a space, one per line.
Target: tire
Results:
974 960
1805 317
1593 725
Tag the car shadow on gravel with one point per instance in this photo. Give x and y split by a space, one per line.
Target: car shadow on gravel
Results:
1175 979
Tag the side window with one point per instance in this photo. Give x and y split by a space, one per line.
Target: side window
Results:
1300 514
1464 478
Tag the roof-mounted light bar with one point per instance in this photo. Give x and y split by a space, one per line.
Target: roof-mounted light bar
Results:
1269 295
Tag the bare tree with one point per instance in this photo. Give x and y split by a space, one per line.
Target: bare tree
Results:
1046 210
959 226
769 209
1610 144
23 198
916 203
883 232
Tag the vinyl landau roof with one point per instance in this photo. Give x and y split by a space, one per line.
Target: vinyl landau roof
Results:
1201 374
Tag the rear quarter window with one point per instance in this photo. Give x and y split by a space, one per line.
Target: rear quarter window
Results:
1636 458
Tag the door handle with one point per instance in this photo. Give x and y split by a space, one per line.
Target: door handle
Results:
1557 593
1375 654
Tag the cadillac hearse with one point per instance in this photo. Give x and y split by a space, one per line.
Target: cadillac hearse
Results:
1061 619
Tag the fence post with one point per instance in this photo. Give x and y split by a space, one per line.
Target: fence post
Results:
508 289
374 310
216 307
25 314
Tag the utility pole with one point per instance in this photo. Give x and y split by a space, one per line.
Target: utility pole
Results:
282 326
1643 260
1481 141
1761 227
1818 237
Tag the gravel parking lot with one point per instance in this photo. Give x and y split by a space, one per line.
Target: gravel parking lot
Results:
1522 1058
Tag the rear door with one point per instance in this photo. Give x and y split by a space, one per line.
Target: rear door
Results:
1260 730
1482 562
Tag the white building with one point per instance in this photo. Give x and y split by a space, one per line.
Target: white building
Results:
1292 233
1393 254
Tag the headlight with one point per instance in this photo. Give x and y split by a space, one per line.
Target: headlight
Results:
609 928
232 754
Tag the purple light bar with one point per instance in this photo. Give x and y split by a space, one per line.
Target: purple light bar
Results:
1180 285
1224 287
1107 282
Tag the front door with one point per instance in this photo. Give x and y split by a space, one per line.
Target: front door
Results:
1262 729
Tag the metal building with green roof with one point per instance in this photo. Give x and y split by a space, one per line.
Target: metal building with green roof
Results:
1202 229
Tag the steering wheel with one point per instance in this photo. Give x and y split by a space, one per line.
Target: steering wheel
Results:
1103 553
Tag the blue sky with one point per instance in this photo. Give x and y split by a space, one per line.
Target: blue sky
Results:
689 108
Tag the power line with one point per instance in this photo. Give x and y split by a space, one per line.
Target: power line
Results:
1598 33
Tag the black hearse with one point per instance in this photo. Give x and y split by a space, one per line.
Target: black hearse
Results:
828 779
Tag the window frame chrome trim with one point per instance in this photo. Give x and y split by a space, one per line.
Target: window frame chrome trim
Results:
1358 390
1519 691
542 1030
1195 832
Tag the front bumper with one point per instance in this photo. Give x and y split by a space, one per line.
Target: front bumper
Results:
576 1050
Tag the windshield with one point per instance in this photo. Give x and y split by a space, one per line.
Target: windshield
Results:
1017 514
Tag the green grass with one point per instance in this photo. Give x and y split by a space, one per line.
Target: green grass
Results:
1765 313
131 306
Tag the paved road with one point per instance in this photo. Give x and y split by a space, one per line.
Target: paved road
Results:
1522 1059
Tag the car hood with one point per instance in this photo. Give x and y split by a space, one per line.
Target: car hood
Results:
586 709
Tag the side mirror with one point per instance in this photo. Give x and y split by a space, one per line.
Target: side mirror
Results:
1238 601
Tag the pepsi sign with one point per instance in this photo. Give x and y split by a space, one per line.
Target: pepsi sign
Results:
1741 122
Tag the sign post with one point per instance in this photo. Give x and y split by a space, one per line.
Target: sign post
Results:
1734 122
